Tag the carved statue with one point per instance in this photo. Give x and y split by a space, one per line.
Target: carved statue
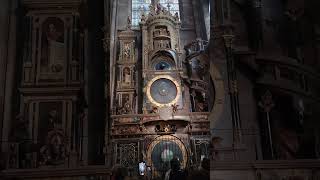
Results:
20 130
129 23
126 50
200 107
54 152
174 108
126 106
154 110
152 10
266 102
13 158
143 17
167 44
53 120
301 111
126 75
53 46
293 31
159 8
165 127
289 145
176 16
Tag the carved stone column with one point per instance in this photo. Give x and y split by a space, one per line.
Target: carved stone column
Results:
106 46
221 52
232 83
4 21
9 76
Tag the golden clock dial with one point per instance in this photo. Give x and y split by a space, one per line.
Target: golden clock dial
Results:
163 90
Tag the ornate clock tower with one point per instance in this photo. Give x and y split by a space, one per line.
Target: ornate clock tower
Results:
156 91
162 65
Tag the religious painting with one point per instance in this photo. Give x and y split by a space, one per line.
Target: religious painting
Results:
53 49
162 150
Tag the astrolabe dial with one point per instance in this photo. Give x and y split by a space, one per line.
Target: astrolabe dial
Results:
163 91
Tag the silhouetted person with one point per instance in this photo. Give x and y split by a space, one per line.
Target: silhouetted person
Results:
203 173
119 173
175 173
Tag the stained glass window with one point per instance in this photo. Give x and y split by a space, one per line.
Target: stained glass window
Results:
140 6
174 5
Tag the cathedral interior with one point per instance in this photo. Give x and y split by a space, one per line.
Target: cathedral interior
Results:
88 87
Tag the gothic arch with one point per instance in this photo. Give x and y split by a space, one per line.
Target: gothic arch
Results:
168 53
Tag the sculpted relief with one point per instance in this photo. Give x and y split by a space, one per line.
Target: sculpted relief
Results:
51 134
53 51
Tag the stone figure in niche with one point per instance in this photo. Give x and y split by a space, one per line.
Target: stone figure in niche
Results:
267 102
195 69
199 102
152 9
159 8
28 160
126 51
200 107
167 44
52 46
288 144
126 106
54 152
129 23
293 30
20 131
143 17
154 110
127 75
53 120
176 16
161 44
13 156
165 127
163 31
50 117
301 111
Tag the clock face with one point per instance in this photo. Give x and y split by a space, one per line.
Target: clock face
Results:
163 91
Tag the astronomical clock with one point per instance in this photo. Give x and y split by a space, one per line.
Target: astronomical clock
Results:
160 96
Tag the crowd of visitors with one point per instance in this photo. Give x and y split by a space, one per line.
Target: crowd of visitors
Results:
174 173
